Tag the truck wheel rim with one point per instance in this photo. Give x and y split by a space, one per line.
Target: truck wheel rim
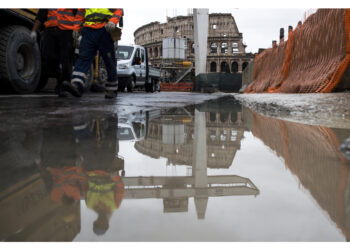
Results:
25 61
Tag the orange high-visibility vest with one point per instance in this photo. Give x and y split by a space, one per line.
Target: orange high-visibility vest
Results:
66 180
64 19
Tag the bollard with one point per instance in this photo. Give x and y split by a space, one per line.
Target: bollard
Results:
281 35
274 44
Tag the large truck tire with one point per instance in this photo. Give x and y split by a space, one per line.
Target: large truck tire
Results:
20 61
42 82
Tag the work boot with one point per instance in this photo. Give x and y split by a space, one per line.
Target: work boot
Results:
111 90
59 90
74 87
110 94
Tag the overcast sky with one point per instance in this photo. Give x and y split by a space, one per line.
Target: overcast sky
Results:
259 26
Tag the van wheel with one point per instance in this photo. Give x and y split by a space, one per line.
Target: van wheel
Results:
121 84
20 61
153 86
130 83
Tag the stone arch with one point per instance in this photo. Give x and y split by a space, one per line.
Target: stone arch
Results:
212 116
223 117
224 67
156 52
213 67
234 67
233 117
244 65
150 52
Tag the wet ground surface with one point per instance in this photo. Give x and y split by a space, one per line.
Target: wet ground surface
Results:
167 167
332 110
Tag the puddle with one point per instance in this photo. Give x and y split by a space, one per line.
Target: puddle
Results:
208 172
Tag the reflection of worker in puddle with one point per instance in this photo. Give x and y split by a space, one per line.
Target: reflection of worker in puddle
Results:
61 170
66 183
104 189
104 195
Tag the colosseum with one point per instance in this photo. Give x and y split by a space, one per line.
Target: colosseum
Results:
225 43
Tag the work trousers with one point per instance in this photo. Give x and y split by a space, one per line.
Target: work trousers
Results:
57 53
94 40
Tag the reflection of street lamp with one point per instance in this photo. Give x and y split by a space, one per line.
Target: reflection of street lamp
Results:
199 163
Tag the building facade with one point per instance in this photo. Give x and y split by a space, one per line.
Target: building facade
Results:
172 136
225 51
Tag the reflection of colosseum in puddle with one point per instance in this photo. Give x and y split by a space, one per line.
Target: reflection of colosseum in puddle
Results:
312 154
175 135
171 136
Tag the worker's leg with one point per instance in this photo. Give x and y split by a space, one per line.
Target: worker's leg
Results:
49 54
65 49
87 52
66 54
107 51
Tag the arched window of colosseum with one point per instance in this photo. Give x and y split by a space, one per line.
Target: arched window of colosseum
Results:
161 31
192 48
155 52
213 67
161 51
214 26
150 34
234 67
233 117
212 117
223 117
224 48
213 48
223 67
245 64
150 52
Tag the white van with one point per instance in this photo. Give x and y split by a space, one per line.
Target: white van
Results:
134 70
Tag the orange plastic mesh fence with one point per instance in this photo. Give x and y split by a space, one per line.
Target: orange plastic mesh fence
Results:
310 153
316 56
269 69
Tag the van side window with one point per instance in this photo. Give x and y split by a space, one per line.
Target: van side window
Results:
137 53
143 55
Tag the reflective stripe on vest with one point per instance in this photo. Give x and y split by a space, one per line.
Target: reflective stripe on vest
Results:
67 13
65 22
97 17
52 18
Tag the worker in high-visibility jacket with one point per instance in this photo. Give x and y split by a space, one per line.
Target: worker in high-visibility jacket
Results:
96 37
104 195
67 181
57 43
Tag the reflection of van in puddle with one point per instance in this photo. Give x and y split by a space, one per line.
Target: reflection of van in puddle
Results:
132 127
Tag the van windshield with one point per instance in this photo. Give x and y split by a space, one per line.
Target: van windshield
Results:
124 52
